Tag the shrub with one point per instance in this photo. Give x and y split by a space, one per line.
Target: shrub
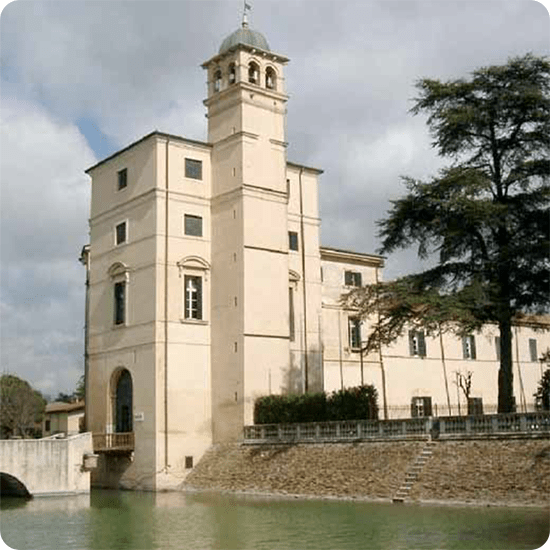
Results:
360 402
356 403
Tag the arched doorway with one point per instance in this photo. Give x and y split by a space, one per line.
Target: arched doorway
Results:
123 402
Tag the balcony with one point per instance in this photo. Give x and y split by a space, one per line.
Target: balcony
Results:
115 443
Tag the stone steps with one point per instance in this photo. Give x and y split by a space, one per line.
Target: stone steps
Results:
413 472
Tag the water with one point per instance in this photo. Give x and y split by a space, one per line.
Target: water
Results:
173 521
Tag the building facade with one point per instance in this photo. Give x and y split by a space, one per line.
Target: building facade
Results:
208 285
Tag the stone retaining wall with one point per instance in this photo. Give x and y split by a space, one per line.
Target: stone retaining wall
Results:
498 472
501 471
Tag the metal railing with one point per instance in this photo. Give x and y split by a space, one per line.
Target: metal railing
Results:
446 427
113 442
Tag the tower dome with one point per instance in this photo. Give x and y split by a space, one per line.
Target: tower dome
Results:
246 36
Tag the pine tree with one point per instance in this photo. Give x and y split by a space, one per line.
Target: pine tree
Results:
485 217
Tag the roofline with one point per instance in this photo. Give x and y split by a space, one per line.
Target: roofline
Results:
153 133
265 53
351 256
64 407
309 168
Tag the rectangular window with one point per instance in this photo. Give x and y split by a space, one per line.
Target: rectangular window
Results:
469 347
193 297
120 303
352 278
533 349
120 233
293 240
193 169
193 225
291 314
354 326
417 343
122 178
421 406
47 427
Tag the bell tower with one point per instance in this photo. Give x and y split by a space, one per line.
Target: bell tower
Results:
246 110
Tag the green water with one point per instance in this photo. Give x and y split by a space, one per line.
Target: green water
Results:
169 521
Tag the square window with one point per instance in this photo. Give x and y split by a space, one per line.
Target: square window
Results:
122 178
120 233
193 169
293 240
193 297
352 278
120 303
354 326
193 225
421 407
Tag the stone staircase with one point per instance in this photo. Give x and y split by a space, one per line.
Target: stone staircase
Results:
414 471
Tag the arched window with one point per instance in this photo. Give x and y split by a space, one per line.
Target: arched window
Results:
270 79
232 74
253 73
217 81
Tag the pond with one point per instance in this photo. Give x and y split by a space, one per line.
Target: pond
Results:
133 520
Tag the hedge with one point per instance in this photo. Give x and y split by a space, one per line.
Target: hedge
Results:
356 403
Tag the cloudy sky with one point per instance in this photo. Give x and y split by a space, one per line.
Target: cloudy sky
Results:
82 79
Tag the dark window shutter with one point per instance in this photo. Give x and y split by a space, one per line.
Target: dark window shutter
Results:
427 406
421 344
533 349
358 280
475 406
497 347
348 278
473 346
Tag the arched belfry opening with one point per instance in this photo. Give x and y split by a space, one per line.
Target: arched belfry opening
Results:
232 73
218 80
253 73
270 79
122 401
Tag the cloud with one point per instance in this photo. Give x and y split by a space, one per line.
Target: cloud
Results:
44 207
127 68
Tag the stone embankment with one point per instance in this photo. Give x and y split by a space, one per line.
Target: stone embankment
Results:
489 472
505 472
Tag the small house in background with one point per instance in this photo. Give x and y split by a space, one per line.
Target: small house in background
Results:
67 418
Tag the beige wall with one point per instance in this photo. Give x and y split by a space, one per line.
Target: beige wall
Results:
48 466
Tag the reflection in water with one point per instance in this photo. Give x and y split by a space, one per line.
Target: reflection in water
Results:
121 520
170 521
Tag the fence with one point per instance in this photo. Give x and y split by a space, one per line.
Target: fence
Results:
441 409
446 427
114 442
